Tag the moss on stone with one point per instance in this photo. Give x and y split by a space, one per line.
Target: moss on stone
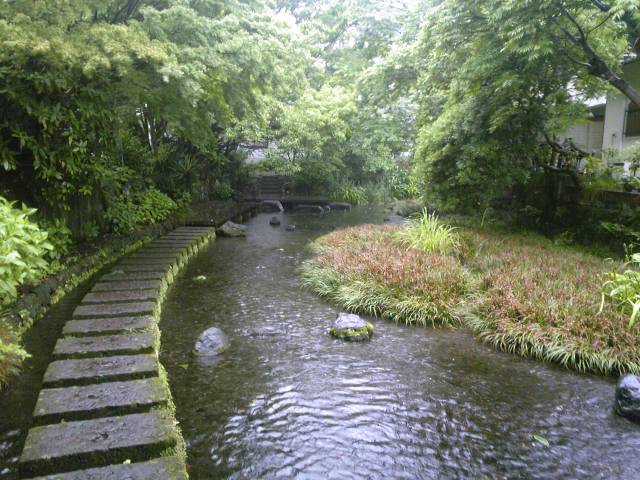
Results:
354 334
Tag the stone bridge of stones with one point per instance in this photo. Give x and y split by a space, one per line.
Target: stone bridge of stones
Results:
105 410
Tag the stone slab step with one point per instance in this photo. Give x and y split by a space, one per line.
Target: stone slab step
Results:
165 468
104 369
100 400
120 296
148 261
68 446
106 326
153 257
144 268
120 276
127 286
115 310
85 347
171 243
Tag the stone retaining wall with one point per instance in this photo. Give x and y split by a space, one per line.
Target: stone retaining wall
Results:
105 410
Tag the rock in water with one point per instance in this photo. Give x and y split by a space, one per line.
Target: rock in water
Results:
211 342
291 228
310 208
340 206
348 326
274 222
230 229
200 279
627 402
272 206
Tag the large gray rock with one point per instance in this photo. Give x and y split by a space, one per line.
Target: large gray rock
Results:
348 326
310 208
211 342
627 403
272 206
274 222
231 229
340 206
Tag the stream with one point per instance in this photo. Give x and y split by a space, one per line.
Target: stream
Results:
288 401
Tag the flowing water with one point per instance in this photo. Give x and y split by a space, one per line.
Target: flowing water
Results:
288 401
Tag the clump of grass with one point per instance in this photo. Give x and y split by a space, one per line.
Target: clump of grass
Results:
540 300
429 234
520 293
363 270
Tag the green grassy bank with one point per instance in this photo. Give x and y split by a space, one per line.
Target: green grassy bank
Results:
522 294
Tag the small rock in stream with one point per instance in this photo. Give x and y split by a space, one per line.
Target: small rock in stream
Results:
231 229
274 222
627 403
211 342
348 326
291 228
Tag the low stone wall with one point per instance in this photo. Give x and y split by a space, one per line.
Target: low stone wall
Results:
105 410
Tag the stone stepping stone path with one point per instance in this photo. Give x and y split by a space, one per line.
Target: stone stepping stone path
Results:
104 411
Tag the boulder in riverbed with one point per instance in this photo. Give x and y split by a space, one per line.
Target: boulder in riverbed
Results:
348 326
340 206
231 229
627 403
291 228
272 206
310 208
274 222
211 342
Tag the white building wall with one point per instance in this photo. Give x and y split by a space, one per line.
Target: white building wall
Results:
614 117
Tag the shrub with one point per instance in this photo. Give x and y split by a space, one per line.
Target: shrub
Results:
24 249
143 208
349 192
223 191
427 233
623 289
59 235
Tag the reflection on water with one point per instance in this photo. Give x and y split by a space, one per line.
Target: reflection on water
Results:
286 400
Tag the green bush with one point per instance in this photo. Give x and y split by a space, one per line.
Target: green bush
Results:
349 192
24 249
59 235
623 289
429 234
142 208
223 191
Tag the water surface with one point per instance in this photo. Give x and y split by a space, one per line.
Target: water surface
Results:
288 401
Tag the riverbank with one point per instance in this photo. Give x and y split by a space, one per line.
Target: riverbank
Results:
519 293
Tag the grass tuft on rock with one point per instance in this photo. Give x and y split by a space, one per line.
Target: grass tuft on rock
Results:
522 294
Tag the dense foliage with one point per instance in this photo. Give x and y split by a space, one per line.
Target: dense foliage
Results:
24 250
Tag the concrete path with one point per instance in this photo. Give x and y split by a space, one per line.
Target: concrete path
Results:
105 408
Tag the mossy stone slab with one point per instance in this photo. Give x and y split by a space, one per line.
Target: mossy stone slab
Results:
99 400
145 267
165 468
115 309
120 296
127 286
121 276
69 446
84 347
106 326
153 257
102 369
